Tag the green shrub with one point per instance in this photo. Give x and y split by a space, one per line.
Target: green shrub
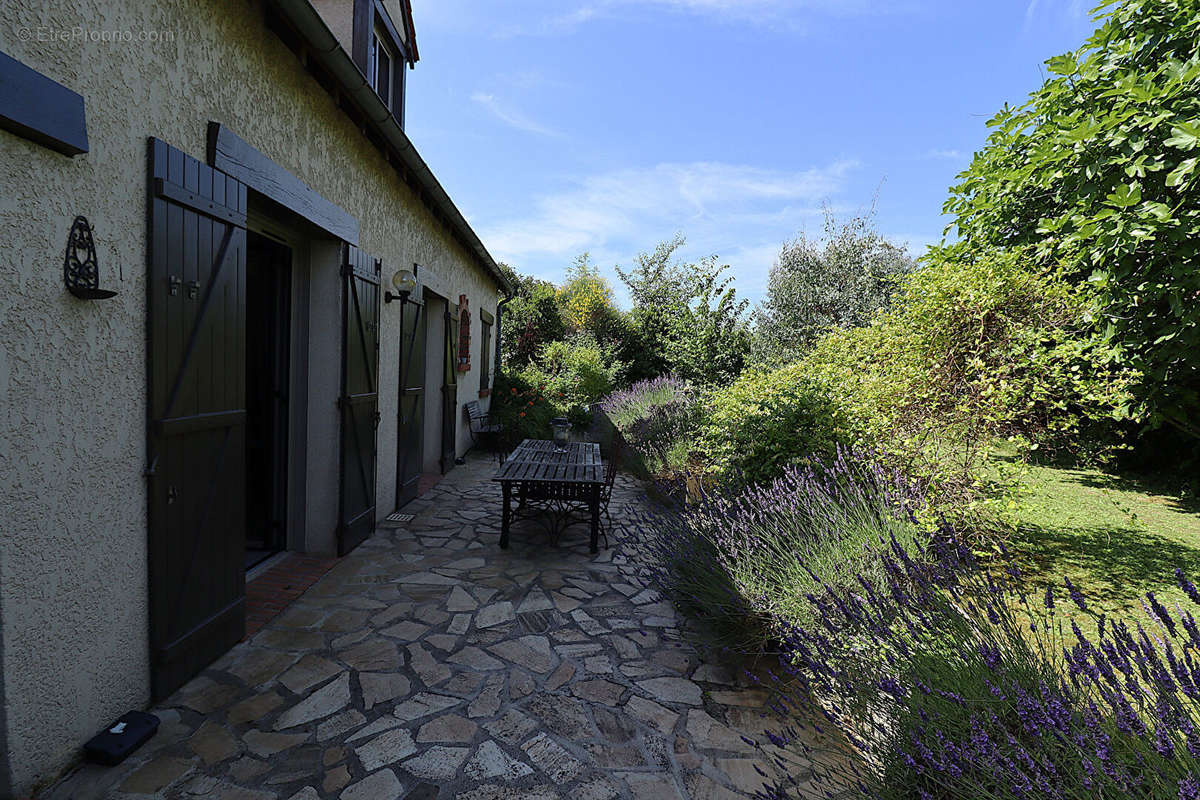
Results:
658 419
765 421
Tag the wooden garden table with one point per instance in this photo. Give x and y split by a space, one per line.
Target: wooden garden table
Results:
556 482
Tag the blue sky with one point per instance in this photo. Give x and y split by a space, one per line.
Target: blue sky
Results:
560 126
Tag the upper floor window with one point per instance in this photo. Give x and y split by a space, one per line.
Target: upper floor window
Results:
384 67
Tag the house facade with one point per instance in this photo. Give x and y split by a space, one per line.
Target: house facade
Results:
300 313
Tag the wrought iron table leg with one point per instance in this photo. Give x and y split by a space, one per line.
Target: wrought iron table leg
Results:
594 504
505 515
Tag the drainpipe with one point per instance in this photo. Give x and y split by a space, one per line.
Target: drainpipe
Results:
499 329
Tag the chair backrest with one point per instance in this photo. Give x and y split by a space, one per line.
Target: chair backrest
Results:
472 410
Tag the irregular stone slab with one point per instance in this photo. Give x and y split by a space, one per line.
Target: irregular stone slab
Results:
424 704
495 614
488 701
459 624
564 673
406 631
264 744
212 698
253 708
378 726
246 769
155 775
426 666
393 612
651 713
563 603
431 579
344 620
559 765
532 652
714 673
259 665
307 793
599 691
329 699
342 723
336 778
475 658
703 787
213 743
709 734
742 774
460 601
746 698
536 600
672 690
308 672
491 761
431 614
596 789
625 648
383 785
564 716
652 786
496 791
387 748
354 637
373 655
442 641
598 665
292 640
463 684
511 727
381 687
447 728
520 684
437 763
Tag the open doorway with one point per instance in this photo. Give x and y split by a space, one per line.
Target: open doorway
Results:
268 319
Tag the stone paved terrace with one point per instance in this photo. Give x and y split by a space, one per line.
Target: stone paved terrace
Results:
431 664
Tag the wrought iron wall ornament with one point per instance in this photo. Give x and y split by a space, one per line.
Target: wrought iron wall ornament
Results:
81 271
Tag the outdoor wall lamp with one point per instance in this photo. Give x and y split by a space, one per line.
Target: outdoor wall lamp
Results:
81 270
405 282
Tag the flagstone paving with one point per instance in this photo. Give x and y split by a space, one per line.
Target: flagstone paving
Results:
429 664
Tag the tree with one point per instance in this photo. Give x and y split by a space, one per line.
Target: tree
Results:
586 296
687 316
532 319
837 281
1099 172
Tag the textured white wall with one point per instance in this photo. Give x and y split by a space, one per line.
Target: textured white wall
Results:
73 590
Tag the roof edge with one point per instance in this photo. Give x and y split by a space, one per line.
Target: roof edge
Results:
324 48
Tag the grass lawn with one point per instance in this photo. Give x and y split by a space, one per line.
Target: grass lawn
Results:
1116 537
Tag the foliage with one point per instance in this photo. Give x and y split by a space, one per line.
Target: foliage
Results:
972 352
686 316
743 563
1100 172
837 281
765 421
531 319
658 418
523 407
585 297
574 375
944 679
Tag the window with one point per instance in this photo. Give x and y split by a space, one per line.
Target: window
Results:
464 334
485 353
383 63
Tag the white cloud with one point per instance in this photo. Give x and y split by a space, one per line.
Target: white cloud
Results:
511 117
742 213
946 155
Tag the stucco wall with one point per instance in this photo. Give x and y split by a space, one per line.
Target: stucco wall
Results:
73 586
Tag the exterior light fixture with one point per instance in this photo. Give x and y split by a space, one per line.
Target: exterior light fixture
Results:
81 271
405 282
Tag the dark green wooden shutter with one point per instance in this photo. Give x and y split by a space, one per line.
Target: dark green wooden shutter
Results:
359 402
450 393
197 415
411 428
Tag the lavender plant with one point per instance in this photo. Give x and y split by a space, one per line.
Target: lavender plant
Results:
945 678
744 562
658 419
